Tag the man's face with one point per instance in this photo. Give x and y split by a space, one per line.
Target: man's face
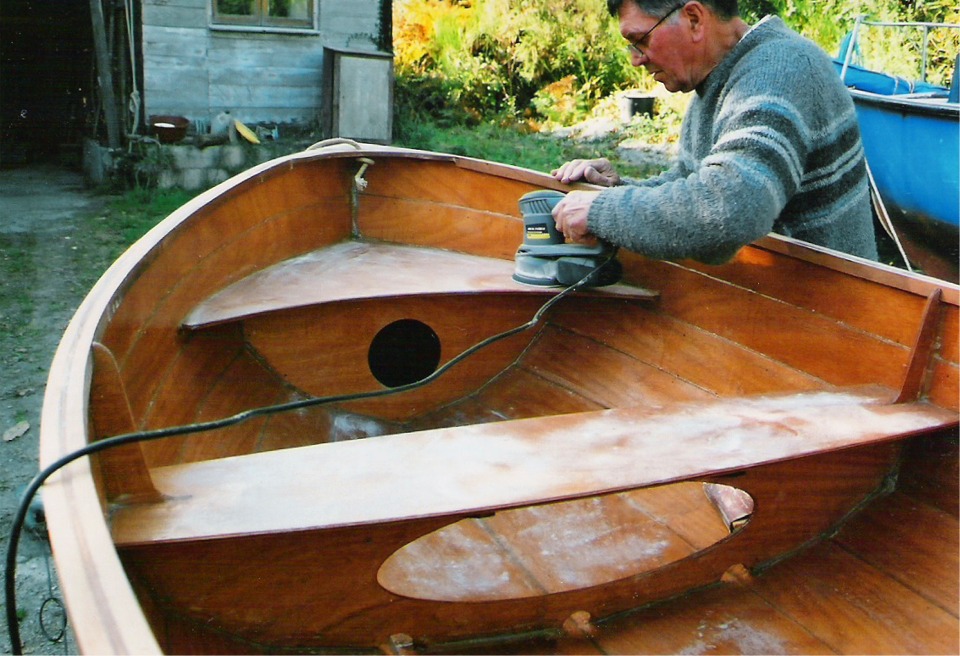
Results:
661 51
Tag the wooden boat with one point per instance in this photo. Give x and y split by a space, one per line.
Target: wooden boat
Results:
911 136
754 457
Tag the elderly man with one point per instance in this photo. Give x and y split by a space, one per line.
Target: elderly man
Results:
770 142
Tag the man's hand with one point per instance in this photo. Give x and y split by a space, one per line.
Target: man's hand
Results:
598 171
570 215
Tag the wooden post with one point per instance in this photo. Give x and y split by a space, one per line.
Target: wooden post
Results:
105 74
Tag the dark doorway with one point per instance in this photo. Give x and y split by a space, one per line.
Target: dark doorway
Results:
46 80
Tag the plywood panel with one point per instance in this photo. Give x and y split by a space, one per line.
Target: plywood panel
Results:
444 226
950 329
682 508
538 550
464 561
943 384
333 360
144 332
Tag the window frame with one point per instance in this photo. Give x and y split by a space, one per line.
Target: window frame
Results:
260 20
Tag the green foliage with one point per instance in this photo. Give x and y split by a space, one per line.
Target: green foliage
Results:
504 58
551 62
827 22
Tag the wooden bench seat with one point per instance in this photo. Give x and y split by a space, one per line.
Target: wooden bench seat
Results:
472 470
362 270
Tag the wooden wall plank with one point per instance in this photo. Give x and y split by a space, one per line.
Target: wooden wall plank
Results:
612 379
261 76
854 301
800 338
704 359
930 472
725 620
519 394
913 543
198 367
244 386
179 15
854 607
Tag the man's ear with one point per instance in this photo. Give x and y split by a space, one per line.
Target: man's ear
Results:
696 15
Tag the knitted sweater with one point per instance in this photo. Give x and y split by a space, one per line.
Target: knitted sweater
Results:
770 142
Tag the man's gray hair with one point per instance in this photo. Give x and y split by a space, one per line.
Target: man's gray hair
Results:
725 9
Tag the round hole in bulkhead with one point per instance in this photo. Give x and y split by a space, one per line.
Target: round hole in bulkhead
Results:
403 352
566 545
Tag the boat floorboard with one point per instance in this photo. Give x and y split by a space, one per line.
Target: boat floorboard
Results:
856 593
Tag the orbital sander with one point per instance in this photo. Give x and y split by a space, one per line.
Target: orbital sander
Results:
546 260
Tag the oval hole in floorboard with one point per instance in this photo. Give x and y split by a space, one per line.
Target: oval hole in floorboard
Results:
568 545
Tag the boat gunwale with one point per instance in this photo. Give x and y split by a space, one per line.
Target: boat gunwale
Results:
78 529
914 103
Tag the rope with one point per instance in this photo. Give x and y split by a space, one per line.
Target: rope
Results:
884 217
326 143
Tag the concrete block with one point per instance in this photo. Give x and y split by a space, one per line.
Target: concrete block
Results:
233 157
216 176
193 179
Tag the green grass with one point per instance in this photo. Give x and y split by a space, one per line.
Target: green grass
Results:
515 145
126 217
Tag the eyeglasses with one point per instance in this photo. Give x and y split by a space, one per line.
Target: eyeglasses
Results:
635 47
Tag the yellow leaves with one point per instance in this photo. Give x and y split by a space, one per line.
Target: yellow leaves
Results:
415 24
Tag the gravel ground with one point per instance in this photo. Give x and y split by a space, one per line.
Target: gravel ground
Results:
46 266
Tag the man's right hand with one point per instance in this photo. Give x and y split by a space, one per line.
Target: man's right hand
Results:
598 171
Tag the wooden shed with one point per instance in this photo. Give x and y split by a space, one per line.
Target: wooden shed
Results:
261 61
200 60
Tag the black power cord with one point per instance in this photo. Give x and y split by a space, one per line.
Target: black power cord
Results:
13 627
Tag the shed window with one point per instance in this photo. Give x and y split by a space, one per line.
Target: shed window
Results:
264 13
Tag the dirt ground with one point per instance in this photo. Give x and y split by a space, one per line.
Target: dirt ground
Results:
46 267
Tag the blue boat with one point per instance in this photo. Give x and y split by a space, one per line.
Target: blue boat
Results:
911 136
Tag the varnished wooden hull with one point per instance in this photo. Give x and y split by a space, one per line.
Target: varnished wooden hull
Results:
545 491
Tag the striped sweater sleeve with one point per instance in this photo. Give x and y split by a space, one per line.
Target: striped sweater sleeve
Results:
769 142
